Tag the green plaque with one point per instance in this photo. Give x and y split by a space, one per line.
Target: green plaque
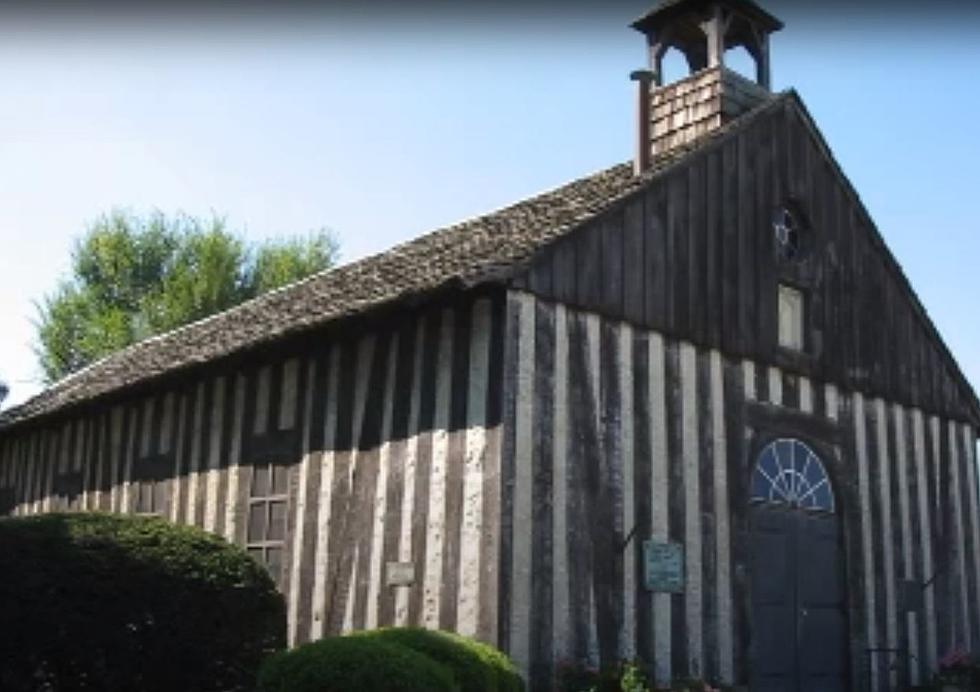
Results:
663 566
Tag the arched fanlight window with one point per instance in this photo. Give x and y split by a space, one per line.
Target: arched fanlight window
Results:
788 472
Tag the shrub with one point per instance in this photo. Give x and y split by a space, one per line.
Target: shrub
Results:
477 667
106 602
354 664
571 676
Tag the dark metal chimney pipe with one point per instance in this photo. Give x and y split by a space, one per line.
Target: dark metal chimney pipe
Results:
641 159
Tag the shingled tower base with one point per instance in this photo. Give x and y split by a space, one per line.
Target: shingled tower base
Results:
675 114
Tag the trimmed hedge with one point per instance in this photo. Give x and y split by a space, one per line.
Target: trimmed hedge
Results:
391 660
106 602
354 664
476 666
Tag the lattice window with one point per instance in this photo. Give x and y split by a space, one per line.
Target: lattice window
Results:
267 506
788 472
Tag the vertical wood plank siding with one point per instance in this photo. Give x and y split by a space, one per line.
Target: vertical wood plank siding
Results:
615 427
391 440
709 272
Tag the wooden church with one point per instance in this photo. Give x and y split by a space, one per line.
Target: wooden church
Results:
686 411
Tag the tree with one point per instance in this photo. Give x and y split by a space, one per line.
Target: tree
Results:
4 391
134 277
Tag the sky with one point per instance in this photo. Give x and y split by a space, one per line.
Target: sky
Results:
382 121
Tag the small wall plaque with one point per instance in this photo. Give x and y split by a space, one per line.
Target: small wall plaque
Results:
663 566
400 573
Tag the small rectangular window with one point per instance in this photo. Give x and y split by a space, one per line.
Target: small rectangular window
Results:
267 513
791 318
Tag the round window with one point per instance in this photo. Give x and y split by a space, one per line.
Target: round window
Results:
787 227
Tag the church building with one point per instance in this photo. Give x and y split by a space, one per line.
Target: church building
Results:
686 411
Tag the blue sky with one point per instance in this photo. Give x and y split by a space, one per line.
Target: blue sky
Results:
382 124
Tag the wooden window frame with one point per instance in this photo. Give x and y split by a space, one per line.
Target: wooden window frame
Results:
801 294
260 546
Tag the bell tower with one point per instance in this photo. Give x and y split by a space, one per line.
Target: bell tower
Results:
674 114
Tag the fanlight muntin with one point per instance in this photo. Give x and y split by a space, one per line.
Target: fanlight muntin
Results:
787 472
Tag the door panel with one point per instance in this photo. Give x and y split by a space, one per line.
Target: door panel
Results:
798 627
773 567
820 601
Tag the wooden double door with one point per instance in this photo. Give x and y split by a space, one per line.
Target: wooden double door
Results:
798 621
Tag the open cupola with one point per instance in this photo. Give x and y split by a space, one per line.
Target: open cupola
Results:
673 114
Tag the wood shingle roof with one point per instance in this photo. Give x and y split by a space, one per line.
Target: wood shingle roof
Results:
488 249
480 250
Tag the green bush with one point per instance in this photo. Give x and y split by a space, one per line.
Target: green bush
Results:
477 667
106 602
354 664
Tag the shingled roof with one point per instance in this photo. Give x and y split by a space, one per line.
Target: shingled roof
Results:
486 249
481 250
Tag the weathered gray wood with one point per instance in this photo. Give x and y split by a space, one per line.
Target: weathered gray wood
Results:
366 475
643 451
316 377
655 260
589 265
491 548
883 660
634 269
420 516
456 450
677 506
339 570
710 272
541 548
611 271
564 271
508 409
746 247
709 519
607 513
404 364
697 246
966 549
897 537
677 251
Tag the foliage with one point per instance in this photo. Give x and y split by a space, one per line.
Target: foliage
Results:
4 391
575 677
633 679
625 677
134 277
105 602
477 667
958 668
354 663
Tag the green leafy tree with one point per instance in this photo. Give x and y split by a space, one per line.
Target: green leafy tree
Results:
132 277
